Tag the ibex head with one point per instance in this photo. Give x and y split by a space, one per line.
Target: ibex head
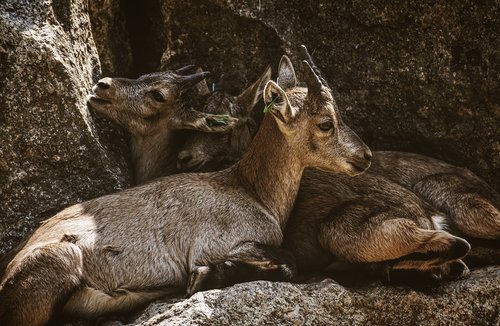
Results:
309 115
311 119
151 103
214 151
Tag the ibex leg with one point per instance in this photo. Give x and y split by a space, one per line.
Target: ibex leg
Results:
473 207
247 262
39 284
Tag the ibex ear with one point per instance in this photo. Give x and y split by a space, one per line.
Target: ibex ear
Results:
286 74
201 87
277 103
250 96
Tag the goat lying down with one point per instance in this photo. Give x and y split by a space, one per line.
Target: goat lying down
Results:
407 212
115 253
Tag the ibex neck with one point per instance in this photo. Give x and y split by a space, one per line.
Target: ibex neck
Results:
271 170
154 155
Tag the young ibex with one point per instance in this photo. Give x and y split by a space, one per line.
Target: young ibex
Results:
472 205
150 109
116 252
225 148
372 219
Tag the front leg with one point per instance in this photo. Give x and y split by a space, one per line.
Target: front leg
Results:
247 262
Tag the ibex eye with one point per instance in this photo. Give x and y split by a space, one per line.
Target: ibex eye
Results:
157 96
326 126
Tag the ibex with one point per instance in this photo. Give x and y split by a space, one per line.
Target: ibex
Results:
116 252
150 109
372 218
225 148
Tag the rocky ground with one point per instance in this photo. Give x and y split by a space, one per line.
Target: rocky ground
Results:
474 301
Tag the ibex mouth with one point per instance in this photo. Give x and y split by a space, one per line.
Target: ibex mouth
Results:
190 166
359 167
94 99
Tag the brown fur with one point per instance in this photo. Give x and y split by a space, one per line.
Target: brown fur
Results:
379 216
162 231
150 109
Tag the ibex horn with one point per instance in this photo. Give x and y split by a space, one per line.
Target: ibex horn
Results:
310 77
185 70
190 80
314 68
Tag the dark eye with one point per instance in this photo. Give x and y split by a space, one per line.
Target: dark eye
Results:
157 96
326 126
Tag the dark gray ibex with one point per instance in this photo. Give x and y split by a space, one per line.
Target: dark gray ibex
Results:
377 217
116 252
150 109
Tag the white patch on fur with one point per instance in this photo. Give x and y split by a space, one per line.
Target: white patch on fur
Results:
440 222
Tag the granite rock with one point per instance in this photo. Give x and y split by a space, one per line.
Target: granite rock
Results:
472 301
52 154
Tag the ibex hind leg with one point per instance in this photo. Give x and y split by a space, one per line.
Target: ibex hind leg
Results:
398 240
473 207
424 279
39 285
247 262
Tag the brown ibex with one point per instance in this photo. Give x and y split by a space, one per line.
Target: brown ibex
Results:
225 148
117 252
150 109
375 217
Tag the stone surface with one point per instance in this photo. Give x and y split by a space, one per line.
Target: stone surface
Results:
473 301
52 154
111 37
420 77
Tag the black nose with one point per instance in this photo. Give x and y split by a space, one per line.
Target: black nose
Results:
184 158
103 84
368 156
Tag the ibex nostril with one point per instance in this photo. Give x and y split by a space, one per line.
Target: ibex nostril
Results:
103 84
184 158
368 156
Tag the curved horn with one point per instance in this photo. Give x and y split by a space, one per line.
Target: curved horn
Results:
190 80
310 61
312 80
185 70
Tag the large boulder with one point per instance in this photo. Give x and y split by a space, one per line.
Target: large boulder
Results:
474 301
110 34
422 76
51 152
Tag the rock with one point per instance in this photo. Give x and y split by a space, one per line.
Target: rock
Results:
52 154
111 37
421 77
473 301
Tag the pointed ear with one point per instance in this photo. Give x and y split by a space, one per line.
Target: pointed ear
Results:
250 96
277 102
201 87
286 74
